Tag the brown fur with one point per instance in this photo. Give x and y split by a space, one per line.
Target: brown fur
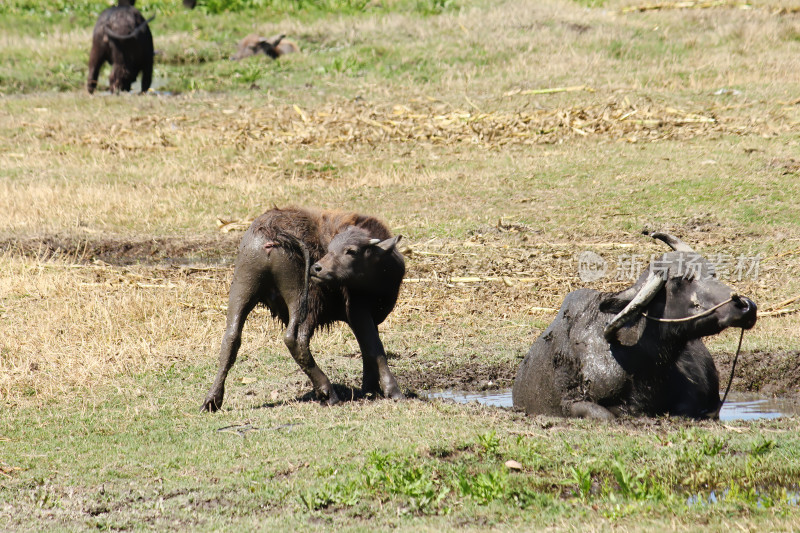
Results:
292 228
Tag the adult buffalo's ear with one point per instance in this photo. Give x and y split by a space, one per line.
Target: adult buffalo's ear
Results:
386 245
627 325
630 332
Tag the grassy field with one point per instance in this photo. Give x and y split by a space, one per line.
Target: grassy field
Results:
501 139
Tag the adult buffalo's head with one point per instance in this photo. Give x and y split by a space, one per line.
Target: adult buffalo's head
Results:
354 259
254 44
679 292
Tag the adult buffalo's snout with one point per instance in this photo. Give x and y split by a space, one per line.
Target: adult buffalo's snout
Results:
747 310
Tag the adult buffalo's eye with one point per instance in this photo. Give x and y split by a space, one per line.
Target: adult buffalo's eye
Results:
350 251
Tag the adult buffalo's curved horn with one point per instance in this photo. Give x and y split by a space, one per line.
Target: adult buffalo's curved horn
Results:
654 283
673 242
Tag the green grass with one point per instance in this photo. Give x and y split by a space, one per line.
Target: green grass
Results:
291 464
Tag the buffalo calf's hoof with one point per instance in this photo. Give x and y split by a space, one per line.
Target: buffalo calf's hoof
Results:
211 404
328 398
395 394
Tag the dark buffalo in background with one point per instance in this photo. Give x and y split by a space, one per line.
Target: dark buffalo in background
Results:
122 38
357 273
638 351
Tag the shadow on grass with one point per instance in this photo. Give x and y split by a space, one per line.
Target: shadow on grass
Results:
345 393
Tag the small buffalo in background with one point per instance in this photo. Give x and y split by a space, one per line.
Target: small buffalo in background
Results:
357 273
274 47
122 38
638 351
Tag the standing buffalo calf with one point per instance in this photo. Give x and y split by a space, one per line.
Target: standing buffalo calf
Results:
255 44
638 351
356 281
122 38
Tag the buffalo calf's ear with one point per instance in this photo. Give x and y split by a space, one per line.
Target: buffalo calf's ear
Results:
389 244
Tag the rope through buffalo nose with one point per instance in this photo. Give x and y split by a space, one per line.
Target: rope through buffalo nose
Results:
734 298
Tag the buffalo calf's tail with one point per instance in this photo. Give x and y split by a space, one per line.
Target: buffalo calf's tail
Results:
299 244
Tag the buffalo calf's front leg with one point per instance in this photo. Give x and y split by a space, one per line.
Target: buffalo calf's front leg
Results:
376 367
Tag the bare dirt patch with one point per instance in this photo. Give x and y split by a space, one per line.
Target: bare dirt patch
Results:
469 376
121 251
771 374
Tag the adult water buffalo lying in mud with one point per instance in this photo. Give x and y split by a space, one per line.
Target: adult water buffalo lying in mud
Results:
255 44
638 351
356 281
122 38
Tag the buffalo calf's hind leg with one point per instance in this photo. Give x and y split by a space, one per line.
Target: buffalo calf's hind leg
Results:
242 299
297 338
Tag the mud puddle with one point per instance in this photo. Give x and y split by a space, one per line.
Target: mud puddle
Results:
739 406
763 499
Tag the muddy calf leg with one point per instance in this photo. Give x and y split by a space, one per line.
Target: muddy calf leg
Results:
376 368
297 339
243 298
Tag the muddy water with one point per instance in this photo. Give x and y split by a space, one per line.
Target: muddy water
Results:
739 406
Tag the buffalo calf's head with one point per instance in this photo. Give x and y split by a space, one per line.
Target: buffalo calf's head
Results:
354 258
680 293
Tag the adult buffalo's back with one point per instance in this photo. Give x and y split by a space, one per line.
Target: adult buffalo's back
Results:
357 274
122 38
638 351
